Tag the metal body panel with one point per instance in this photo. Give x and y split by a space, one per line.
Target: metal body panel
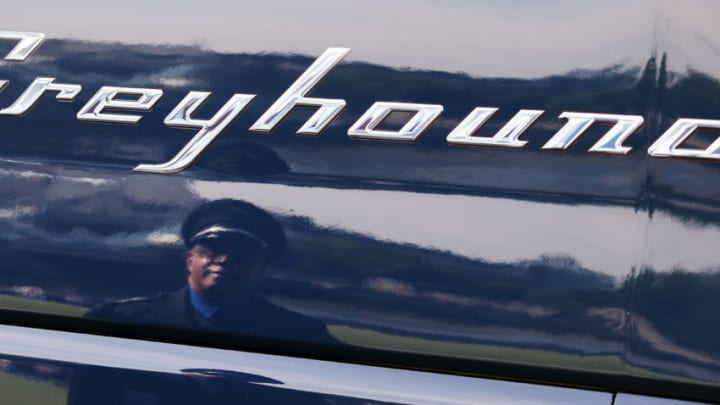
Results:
560 259
628 399
271 378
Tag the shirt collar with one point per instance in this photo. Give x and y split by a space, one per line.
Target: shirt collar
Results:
203 306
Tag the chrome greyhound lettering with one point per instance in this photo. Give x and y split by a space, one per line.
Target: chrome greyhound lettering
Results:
366 127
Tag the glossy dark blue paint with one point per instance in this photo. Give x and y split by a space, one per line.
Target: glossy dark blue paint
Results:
568 259
123 371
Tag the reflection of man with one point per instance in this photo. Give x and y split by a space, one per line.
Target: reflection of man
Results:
229 244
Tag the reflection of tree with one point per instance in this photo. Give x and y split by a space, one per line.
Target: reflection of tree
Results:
552 294
681 305
687 208
671 96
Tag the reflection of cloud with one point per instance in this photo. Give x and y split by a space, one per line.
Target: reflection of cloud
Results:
25 174
86 180
173 82
507 39
29 174
173 76
162 238
82 208
16 212
388 285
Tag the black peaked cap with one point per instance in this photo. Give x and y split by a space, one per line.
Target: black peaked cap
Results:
227 218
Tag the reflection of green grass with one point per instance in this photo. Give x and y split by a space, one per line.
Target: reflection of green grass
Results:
48 307
603 363
24 390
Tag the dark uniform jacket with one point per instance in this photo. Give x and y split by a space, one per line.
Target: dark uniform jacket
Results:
253 316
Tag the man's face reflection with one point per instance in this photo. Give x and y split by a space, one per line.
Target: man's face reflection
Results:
222 271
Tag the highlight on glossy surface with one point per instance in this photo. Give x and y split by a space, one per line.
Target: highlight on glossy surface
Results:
668 145
28 43
629 399
31 95
612 142
106 97
210 129
483 235
366 126
320 377
507 136
296 95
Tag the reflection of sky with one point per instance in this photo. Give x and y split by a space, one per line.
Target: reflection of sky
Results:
601 238
676 245
373 383
486 38
608 239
